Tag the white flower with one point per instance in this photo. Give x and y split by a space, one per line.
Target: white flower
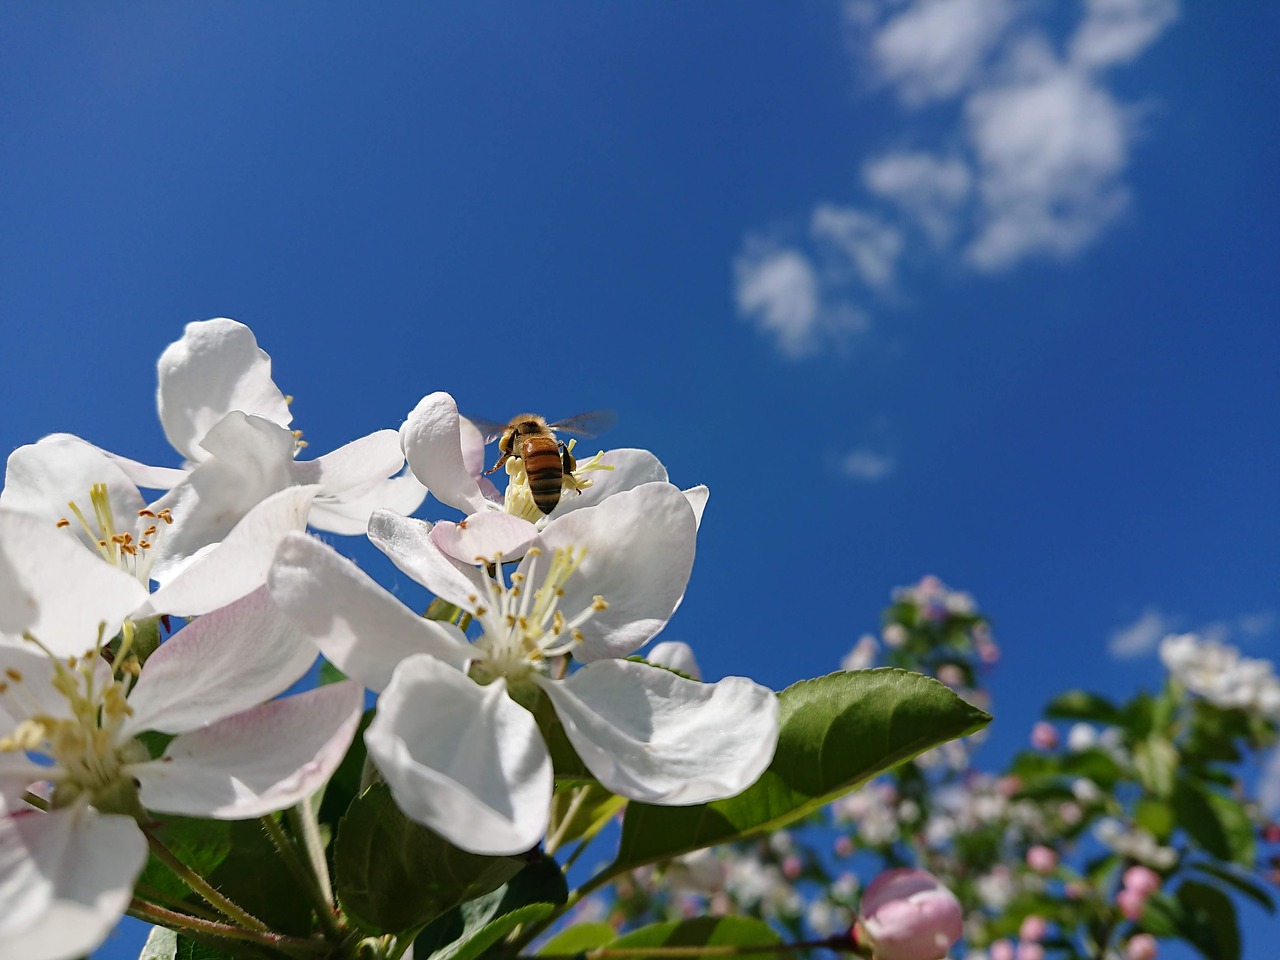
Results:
1217 672
71 721
454 735
223 413
446 452
862 655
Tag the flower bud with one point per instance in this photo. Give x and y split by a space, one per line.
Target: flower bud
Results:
1042 859
1141 946
1044 736
1142 880
1130 902
909 915
1033 929
1002 950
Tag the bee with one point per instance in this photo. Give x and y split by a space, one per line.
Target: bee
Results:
547 459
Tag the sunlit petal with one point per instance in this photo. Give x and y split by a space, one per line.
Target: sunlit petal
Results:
432 442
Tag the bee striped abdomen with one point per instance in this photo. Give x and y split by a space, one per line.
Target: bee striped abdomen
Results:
545 469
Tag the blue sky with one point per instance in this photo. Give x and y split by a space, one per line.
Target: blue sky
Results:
980 289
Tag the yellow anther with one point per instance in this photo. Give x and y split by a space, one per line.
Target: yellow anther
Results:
599 603
63 522
577 635
13 674
533 552
146 512
481 611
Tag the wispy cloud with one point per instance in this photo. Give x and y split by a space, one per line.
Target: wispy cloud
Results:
866 465
1030 161
1142 635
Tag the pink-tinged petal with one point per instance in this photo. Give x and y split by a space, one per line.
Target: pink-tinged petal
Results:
44 478
463 759
675 655
639 553
66 878
353 466
139 474
484 538
472 443
410 546
650 735
349 513
252 458
697 497
75 593
431 438
911 915
239 564
219 664
216 367
255 762
629 469
361 628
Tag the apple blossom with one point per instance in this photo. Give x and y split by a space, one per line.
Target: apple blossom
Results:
1142 880
1141 946
595 583
73 722
1042 859
909 915
1044 736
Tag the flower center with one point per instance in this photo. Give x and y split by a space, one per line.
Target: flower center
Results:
518 499
81 744
133 552
524 628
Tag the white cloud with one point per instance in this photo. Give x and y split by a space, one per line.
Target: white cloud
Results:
1030 160
933 49
777 289
1141 636
865 464
871 245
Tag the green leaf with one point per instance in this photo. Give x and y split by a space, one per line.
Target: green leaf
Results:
836 732
701 932
578 939
329 674
253 875
162 944
1241 881
1156 817
188 949
471 928
1156 760
200 844
344 785
1082 705
1209 921
580 810
1216 822
393 875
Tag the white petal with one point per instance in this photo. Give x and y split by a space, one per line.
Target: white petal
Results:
238 565
484 538
220 664
349 513
66 878
255 762
650 735
252 459
215 368
463 759
355 465
432 441
74 591
630 468
410 546
640 546
44 478
697 497
361 628
676 655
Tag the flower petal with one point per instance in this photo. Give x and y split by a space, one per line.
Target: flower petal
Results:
361 628
355 465
432 441
463 759
484 538
639 553
66 878
239 564
697 497
650 735
75 593
220 664
349 513
629 469
411 547
215 368
257 761
676 655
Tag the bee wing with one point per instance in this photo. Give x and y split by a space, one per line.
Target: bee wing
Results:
587 425
489 429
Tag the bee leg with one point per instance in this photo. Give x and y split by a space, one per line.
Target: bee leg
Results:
566 460
501 460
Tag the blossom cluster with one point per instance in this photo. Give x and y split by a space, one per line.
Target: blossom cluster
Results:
146 639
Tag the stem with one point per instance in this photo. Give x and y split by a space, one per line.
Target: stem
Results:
553 842
294 946
316 887
535 928
202 886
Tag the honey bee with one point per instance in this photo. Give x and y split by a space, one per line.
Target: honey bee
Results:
547 459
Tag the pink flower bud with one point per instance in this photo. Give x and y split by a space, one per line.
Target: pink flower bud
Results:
791 867
1030 950
844 846
1141 946
1044 736
1042 860
1142 880
1130 903
910 915
1033 929
1001 950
